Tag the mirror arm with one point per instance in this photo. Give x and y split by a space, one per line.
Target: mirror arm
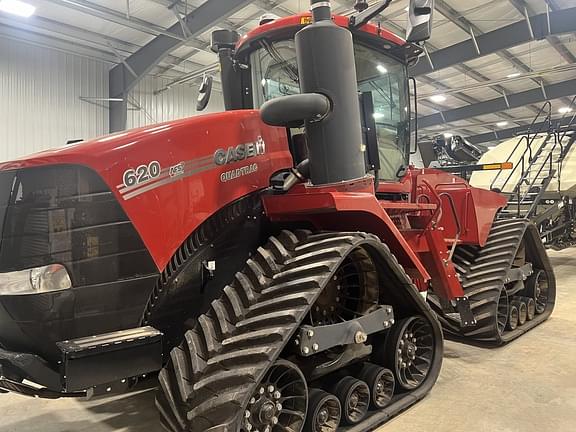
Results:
357 21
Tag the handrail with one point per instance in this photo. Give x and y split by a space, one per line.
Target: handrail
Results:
532 184
548 160
456 219
433 222
571 108
529 141
516 166
437 215
540 111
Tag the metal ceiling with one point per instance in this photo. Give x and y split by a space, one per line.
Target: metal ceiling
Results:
475 48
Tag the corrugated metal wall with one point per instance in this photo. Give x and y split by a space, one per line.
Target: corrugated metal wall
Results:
40 104
39 98
177 102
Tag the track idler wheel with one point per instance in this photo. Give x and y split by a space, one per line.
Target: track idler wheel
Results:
324 412
409 351
381 382
522 311
512 317
537 288
280 399
354 396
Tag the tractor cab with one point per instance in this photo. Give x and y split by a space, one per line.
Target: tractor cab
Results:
262 65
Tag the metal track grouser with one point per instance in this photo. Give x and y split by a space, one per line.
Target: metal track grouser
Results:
279 266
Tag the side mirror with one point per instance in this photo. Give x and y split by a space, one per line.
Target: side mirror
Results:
204 93
292 111
419 20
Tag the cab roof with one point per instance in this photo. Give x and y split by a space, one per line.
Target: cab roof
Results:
305 19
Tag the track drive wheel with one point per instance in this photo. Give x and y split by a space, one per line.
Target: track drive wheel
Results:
324 412
409 351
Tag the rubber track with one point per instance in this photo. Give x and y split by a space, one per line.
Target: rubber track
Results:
214 372
482 272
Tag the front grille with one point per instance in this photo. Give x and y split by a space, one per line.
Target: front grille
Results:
67 214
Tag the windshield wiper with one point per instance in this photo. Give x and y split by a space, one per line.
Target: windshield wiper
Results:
289 68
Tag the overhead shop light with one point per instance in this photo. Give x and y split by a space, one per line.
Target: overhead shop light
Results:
438 98
17 7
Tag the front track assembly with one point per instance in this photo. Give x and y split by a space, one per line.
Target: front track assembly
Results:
252 363
509 281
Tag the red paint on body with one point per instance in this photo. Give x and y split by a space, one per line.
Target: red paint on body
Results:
301 20
166 215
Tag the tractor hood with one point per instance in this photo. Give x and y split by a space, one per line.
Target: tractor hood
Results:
169 178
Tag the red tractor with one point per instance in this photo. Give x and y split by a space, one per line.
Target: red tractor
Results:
280 264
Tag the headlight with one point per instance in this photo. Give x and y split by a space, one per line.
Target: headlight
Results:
53 277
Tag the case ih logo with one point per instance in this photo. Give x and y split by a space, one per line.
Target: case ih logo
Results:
240 152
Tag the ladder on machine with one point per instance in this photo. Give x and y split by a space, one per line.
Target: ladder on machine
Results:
542 150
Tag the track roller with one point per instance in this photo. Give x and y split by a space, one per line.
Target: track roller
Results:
354 396
530 307
522 310
324 412
512 317
381 382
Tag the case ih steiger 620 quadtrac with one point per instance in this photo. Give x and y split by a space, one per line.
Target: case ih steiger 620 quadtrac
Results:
279 263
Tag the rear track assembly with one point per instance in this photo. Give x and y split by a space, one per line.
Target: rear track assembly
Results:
494 301
224 376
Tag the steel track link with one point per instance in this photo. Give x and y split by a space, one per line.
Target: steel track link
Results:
213 373
482 273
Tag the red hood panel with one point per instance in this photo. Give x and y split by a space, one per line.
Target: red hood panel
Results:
171 177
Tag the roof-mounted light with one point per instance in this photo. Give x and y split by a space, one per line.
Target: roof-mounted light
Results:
267 18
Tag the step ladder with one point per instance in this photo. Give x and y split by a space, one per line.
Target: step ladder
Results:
538 170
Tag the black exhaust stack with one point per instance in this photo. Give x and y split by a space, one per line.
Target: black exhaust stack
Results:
325 54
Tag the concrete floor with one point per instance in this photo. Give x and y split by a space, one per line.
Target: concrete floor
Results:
528 386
